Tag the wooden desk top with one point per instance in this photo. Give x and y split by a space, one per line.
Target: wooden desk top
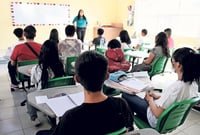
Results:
49 93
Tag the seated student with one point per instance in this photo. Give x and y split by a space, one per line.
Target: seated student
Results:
143 39
54 36
168 32
184 61
100 40
160 49
98 114
49 66
115 56
125 40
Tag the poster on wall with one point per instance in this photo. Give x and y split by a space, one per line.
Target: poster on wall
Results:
34 13
130 19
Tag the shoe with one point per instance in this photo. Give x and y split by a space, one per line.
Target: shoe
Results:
14 87
36 122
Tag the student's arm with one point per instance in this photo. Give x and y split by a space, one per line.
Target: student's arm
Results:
13 62
149 59
154 108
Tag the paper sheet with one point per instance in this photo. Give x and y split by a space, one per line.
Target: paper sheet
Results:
41 99
78 98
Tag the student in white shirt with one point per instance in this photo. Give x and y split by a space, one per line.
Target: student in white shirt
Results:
184 61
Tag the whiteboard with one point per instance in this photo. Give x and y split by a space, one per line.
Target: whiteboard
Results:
182 16
26 13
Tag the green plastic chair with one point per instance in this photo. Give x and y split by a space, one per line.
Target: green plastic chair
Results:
158 66
70 65
61 81
173 117
23 78
118 132
100 50
110 91
127 57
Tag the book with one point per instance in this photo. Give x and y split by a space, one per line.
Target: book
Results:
60 104
136 84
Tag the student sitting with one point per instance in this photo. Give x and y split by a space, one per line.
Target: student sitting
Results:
49 66
160 49
100 40
184 61
98 114
125 40
115 56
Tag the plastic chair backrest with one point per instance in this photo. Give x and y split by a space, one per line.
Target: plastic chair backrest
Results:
100 50
70 65
118 132
158 65
61 81
172 117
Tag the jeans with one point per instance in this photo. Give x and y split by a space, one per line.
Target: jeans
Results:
12 70
137 105
81 33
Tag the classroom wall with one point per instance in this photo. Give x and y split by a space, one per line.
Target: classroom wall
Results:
103 11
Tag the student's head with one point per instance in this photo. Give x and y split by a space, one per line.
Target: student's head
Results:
91 70
54 35
100 31
124 37
161 40
30 32
186 61
168 32
81 14
114 43
144 32
18 32
70 30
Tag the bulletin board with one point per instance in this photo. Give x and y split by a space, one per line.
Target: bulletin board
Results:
34 13
182 16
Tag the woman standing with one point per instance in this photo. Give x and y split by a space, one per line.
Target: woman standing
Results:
81 23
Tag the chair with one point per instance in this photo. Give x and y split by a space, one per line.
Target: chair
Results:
100 50
23 78
61 81
173 117
118 132
158 66
110 91
70 65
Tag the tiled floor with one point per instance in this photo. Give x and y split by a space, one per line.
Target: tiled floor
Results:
15 121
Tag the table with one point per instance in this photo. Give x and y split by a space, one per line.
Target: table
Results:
136 54
51 92
25 69
145 131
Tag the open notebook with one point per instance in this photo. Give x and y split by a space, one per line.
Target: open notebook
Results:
60 104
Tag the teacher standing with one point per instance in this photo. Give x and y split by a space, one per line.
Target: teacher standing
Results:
81 23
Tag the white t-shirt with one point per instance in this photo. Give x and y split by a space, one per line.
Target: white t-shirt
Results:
176 92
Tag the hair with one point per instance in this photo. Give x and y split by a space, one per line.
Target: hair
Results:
161 40
100 31
79 16
144 31
18 32
124 37
49 58
190 63
91 69
114 43
70 30
30 32
54 35
168 31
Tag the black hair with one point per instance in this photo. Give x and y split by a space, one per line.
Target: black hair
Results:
100 31
124 37
168 31
114 43
18 32
79 16
70 30
49 59
144 31
91 69
30 32
54 35
161 40
190 62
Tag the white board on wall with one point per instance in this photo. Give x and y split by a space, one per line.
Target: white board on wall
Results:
182 16
26 13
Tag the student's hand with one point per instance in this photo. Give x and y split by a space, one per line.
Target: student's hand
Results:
148 97
155 96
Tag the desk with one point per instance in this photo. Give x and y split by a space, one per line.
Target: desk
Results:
49 93
136 54
145 131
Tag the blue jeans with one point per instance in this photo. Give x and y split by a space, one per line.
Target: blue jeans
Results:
137 105
81 33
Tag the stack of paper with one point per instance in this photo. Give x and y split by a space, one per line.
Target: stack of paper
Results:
140 74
